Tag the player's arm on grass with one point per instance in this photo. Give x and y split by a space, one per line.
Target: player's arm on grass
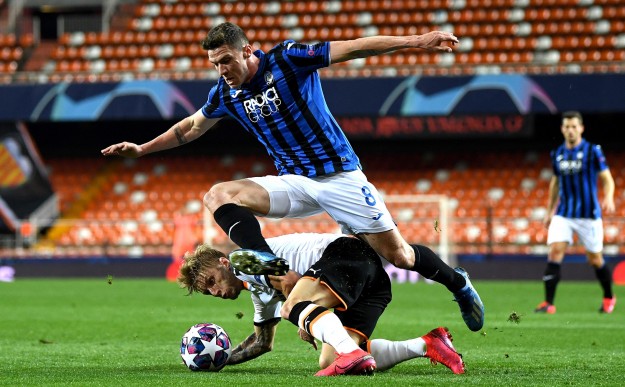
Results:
184 131
258 343
344 50
607 204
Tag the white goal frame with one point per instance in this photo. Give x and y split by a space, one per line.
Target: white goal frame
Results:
442 224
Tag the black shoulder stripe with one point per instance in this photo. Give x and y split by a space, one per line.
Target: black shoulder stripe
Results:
305 62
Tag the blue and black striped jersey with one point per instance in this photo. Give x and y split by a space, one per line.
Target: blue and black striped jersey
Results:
577 170
284 107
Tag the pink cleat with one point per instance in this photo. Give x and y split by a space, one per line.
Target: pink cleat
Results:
440 350
607 306
545 307
357 362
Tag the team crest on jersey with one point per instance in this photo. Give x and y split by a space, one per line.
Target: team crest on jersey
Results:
268 78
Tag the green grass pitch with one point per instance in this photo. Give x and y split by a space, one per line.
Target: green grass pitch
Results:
92 333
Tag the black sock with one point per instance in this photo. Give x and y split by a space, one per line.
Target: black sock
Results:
298 308
432 267
604 275
551 279
241 226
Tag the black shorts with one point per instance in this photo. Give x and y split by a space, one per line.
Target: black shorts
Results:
354 272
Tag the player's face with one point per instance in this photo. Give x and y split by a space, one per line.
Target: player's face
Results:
220 282
231 64
572 130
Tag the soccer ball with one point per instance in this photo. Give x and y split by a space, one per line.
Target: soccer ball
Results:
205 347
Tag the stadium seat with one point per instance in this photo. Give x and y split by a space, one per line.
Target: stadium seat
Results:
516 217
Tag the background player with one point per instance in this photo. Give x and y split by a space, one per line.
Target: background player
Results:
576 166
338 272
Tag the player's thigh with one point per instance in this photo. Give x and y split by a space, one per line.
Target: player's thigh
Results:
245 193
560 230
590 233
290 196
354 203
356 275
393 247
348 267
310 289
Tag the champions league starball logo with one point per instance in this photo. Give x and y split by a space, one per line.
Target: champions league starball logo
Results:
59 104
416 99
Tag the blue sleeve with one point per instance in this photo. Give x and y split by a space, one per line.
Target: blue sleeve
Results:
553 163
307 56
600 161
213 108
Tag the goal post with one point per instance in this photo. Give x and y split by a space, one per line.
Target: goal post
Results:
421 219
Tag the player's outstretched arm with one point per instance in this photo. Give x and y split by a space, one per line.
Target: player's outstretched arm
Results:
344 50
186 130
258 343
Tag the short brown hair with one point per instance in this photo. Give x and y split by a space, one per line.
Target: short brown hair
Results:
204 257
228 34
573 114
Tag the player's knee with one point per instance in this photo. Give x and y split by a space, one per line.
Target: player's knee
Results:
595 259
400 258
556 253
287 307
292 308
285 311
216 197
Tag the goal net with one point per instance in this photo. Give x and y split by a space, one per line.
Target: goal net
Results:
422 219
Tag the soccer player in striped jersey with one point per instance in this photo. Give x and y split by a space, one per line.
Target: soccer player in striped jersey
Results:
577 165
277 97
332 272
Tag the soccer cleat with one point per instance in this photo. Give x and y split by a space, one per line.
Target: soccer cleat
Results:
471 306
357 362
607 306
258 262
439 349
545 307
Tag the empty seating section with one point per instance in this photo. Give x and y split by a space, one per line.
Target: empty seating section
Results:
163 37
497 201
11 53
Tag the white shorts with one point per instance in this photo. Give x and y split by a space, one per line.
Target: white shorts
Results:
347 197
589 232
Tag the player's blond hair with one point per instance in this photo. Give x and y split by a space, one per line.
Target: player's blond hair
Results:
204 257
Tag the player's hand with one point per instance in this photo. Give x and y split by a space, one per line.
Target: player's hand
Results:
124 149
437 41
285 283
307 337
547 219
607 205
